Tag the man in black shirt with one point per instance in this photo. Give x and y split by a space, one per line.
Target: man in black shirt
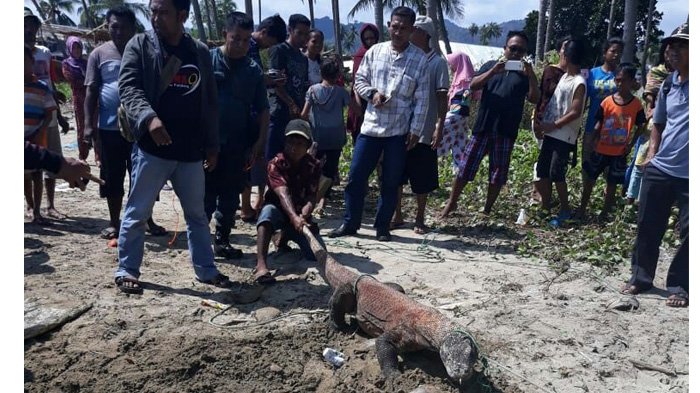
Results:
175 125
286 60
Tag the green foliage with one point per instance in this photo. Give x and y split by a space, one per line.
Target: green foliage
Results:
64 88
488 31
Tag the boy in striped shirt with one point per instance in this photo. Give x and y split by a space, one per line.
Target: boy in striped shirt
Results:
38 110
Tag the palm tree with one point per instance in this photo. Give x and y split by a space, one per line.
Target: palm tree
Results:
311 12
488 31
611 21
629 35
453 9
539 52
431 8
92 11
55 11
207 11
550 26
379 18
473 30
215 19
645 53
337 28
249 8
39 10
198 21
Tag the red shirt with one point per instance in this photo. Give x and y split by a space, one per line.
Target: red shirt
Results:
302 181
617 124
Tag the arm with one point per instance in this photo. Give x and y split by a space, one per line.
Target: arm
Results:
305 112
363 77
131 91
210 121
442 114
286 202
480 80
91 96
264 121
279 62
420 104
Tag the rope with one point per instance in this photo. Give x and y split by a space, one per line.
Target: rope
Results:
257 324
177 223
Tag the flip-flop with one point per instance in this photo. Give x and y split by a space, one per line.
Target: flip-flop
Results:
156 230
631 289
677 300
134 289
109 233
420 229
397 224
265 278
220 281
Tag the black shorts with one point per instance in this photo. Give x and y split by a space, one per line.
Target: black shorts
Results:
421 169
115 161
596 164
553 160
330 167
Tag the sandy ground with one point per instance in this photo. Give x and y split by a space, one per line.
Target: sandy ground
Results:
543 328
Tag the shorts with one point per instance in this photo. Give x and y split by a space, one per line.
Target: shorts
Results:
421 169
53 144
257 173
279 220
596 164
115 162
330 167
553 160
500 149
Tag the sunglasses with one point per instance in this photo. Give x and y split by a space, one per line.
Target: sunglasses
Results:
517 49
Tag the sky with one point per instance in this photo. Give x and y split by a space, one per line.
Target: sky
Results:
476 11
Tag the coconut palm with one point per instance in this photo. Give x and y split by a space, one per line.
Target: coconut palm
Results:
645 53
550 26
311 12
201 34
249 8
629 35
337 28
473 30
431 8
55 11
541 19
92 12
488 31
611 18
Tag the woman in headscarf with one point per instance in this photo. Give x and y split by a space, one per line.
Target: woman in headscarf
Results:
73 68
456 126
369 35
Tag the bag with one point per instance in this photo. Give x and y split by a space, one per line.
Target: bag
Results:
459 103
167 73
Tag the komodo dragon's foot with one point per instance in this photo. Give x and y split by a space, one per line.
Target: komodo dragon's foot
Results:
342 302
388 354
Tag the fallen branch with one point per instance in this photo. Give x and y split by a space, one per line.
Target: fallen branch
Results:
647 366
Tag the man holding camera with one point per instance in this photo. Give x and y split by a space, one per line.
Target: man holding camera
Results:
506 83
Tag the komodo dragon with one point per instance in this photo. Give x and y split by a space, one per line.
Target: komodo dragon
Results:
400 323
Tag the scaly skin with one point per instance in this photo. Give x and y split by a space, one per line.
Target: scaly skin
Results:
400 323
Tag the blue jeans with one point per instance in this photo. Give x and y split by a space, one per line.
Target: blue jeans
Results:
278 220
148 175
635 183
367 151
222 186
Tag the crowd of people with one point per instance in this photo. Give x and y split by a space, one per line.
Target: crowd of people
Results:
213 122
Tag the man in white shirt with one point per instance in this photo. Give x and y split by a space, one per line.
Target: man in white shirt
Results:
393 78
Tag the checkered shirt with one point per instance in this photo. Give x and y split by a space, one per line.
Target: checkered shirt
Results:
403 77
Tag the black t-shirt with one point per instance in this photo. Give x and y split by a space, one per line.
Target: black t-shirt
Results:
284 57
179 108
502 102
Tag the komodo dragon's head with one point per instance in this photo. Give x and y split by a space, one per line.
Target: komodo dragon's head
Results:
459 355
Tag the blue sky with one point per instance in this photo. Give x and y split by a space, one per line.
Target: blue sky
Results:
477 11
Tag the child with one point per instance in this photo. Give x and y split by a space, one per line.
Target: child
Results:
292 185
613 138
324 107
39 106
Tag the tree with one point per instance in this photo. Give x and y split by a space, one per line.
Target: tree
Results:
453 9
645 52
379 18
548 38
539 50
629 34
611 18
215 19
530 29
39 10
337 28
431 8
56 11
473 30
249 8
207 14
201 34
311 12
488 31
92 12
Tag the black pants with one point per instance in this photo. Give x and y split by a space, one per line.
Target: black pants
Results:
658 193
221 190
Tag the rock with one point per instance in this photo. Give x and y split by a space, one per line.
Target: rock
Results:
266 314
275 368
39 319
426 389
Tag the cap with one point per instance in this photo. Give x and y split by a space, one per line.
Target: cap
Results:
299 127
426 24
680 33
29 14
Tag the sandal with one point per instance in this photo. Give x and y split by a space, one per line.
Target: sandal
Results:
109 233
631 289
420 229
396 225
156 230
265 278
677 300
220 281
128 285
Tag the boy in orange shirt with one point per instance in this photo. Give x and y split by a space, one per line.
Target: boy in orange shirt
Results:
613 138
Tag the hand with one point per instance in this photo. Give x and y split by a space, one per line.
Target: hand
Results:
412 141
378 100
281 81
88 135
499 67
158 132
211 161
437 138
547 127
64 124
527 69
74 171
294 111
299 223
306 211
313 149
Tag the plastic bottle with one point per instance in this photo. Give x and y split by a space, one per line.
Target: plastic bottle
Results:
334 357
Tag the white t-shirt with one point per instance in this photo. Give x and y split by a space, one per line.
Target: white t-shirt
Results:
560 104
42 65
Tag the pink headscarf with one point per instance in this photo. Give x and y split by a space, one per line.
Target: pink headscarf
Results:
463 70
75 65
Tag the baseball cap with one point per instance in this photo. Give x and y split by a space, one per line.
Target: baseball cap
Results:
680 33
29 14
299 127
426 24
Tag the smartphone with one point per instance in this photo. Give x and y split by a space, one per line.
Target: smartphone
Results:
275 74
514 65
386 99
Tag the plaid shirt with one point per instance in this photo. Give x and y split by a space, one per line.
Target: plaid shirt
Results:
403 78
